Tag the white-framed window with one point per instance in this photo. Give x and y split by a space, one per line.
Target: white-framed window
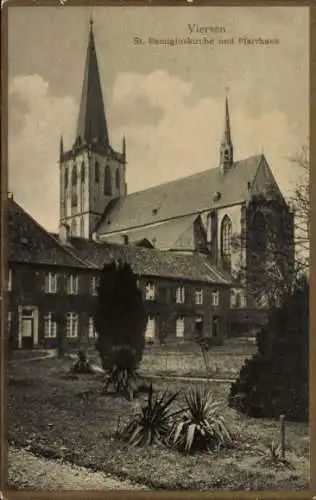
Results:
215 298
50 283
72 325
94 283
180 295
150 328
92 331
72 284
199 296
180 327
50 326
150 291
10 280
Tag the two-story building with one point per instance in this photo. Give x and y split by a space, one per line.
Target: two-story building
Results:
53 287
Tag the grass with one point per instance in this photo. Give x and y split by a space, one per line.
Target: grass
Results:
62 416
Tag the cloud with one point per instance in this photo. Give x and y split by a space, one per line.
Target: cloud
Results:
186 138
36 120
170 133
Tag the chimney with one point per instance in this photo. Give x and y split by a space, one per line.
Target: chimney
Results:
64 233
10 195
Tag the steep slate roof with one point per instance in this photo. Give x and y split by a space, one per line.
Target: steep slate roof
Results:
165 234
150 262
188 195
28 242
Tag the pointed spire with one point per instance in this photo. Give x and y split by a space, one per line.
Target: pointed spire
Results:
227 137
226 149
91 121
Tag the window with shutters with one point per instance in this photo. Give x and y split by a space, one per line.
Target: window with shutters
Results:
150 328
50 326
199 296
72 284
72 325
180 295
50 283
150 291
180 327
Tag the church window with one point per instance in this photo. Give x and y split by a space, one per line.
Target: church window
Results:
82 172
66 177
74 176
74 227
117 179
107 180
226 154
96 172
226 242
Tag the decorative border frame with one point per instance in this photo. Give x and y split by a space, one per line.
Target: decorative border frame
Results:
282 495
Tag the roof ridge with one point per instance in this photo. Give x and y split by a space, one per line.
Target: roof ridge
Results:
61 247
192 175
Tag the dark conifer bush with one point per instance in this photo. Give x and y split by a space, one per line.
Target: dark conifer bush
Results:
120 322
275 380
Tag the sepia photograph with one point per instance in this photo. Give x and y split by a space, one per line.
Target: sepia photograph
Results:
157 249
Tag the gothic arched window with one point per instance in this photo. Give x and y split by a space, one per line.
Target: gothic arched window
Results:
66 177
73 227
96 172
74 194
82 172
74 176
117 178
107 180
226 242
82 227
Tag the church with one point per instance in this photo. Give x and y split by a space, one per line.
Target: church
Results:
186 240
205 212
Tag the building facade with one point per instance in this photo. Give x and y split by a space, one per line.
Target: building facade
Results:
53 288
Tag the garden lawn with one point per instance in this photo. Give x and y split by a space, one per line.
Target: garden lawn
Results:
57 415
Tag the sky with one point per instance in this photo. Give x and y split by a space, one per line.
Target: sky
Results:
167 100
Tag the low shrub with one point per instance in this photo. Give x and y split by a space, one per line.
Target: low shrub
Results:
199 427
152 424
82 364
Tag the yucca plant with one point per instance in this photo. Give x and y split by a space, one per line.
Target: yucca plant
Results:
199 427
152 424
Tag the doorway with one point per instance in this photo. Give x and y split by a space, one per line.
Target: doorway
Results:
28 327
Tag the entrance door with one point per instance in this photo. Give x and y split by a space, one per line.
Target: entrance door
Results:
28 337
215 326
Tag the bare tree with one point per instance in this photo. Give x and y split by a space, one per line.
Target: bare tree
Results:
300 201
274 247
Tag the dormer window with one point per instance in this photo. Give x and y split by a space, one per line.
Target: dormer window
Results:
155 211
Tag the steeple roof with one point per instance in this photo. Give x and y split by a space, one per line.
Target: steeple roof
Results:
91 121
227 136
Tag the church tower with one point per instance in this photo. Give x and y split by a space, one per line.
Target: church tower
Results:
92 174
226 149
